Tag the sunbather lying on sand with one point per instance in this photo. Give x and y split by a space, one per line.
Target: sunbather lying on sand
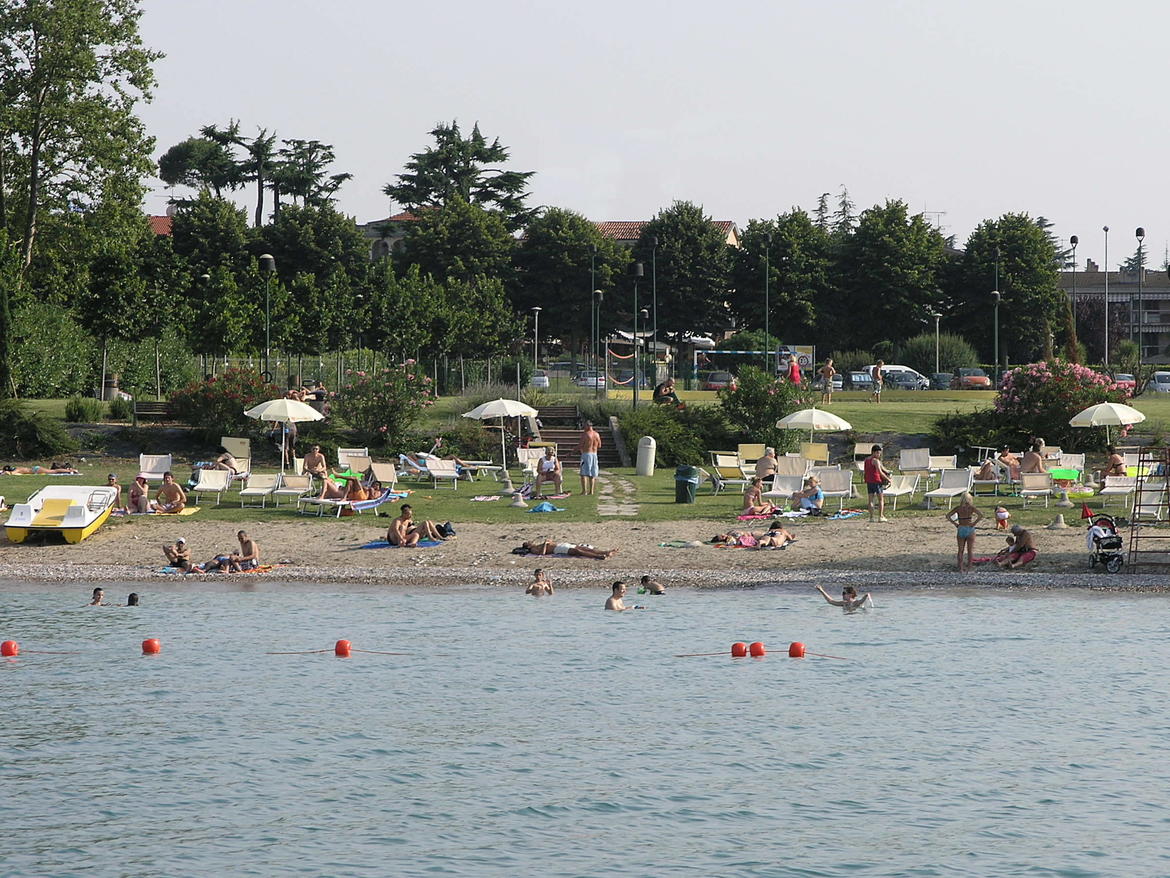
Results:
548 547
57 469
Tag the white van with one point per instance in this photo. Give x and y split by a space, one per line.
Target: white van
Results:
1159 382
922 381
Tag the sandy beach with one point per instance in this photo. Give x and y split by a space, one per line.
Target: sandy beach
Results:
907 552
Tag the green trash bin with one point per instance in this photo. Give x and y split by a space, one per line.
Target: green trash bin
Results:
686 479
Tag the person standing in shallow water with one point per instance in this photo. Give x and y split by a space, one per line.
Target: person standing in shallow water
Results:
850 602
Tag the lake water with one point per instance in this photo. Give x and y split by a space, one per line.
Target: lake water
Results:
967 734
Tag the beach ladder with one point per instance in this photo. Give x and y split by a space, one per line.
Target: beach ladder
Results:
1149 526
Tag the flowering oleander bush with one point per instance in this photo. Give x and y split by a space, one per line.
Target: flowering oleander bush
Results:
759 401
217 405
382 407
1035 400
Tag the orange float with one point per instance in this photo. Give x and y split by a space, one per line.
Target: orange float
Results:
151 646
9 648
757 650
342 649
796 650
739 649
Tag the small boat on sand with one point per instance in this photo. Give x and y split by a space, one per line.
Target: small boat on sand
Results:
75 511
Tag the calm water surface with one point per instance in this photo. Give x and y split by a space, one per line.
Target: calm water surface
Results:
981 735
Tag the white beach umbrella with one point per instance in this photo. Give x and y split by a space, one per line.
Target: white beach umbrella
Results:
813 419
284 411
1107 414
501 408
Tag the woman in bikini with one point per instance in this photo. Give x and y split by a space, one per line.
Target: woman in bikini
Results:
753 502
964 517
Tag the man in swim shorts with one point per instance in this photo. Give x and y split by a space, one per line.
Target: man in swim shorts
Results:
588 447
178 555
248 558
171 497
548 547
877 478
849 602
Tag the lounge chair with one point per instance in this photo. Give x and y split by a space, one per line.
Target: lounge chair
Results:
837 483
976 483
260 486
290 485
441 470
211 481
750 452
384 473
359 463
902 486
1118 486
784 486
729 471
792 466
152 466
1035 485
236 447
344 453
339 506
952 483
1152 504
817 452
915 461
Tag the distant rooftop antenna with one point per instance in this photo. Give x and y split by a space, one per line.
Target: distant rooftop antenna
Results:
938 215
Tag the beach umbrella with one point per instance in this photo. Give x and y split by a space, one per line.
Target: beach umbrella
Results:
813 419
501 408
1107 414
284 411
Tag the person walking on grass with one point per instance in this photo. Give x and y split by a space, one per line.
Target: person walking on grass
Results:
964 517
877 479
876 374
827 373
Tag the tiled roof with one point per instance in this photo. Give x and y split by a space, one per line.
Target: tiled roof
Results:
629 231
160 225
405 217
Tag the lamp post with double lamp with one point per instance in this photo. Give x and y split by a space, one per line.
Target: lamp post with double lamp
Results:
995 297
1135 320
536 309
767 303
267 267
637 271
1073 241
597 297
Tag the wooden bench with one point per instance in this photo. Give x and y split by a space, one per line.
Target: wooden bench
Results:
156 411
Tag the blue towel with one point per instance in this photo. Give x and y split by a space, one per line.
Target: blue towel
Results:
383 544
545 507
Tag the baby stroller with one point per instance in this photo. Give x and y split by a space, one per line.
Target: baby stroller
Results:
1105 544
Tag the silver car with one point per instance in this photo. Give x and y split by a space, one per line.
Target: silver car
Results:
1159 382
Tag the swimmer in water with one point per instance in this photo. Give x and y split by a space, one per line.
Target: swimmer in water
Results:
615 602
651 586
132 600
849 602
99 595
540 587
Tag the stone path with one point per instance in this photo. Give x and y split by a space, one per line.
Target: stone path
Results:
615 495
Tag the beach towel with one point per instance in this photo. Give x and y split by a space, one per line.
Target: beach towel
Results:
845 513
752 517
190 510
680 544
561 496
263 568
485 498
384 544
545 507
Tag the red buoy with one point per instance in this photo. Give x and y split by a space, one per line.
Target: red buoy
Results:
796 650
757 650
151 646
739 649
9 648
342 648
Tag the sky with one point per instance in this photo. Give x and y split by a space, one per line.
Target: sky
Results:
964 110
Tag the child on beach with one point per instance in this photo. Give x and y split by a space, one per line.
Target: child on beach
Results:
964 517
1002 516
540 587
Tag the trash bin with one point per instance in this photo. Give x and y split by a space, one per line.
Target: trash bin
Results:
686 479
647 448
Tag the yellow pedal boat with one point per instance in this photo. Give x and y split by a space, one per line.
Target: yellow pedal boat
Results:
75 511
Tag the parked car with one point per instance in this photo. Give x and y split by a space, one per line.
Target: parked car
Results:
625 378
940 380
589 378
861 381
903 380
970 378
539 378
719 380
1126 382
1159 382
838 381
563 369
890 368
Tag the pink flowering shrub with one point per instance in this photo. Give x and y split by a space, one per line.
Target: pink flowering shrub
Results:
217 405
382 407
759 401
1039 399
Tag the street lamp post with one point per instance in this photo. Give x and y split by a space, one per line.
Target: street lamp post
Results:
767 303
1105 229
637 271
536 309
596 298
267 267
937 316
1073 241
1135 320
995 296
592 307
654 298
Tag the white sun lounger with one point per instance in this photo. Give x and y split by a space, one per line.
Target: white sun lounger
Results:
952 483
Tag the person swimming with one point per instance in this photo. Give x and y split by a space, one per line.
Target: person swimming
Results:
850 602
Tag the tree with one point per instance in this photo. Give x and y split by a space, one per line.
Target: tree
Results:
470 330
9 273
844 219
300 173
800 271
317 240
890 269
693 270
561 255
459 240
1032 304
71 75
1136 260
200 163
210 231
455 168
